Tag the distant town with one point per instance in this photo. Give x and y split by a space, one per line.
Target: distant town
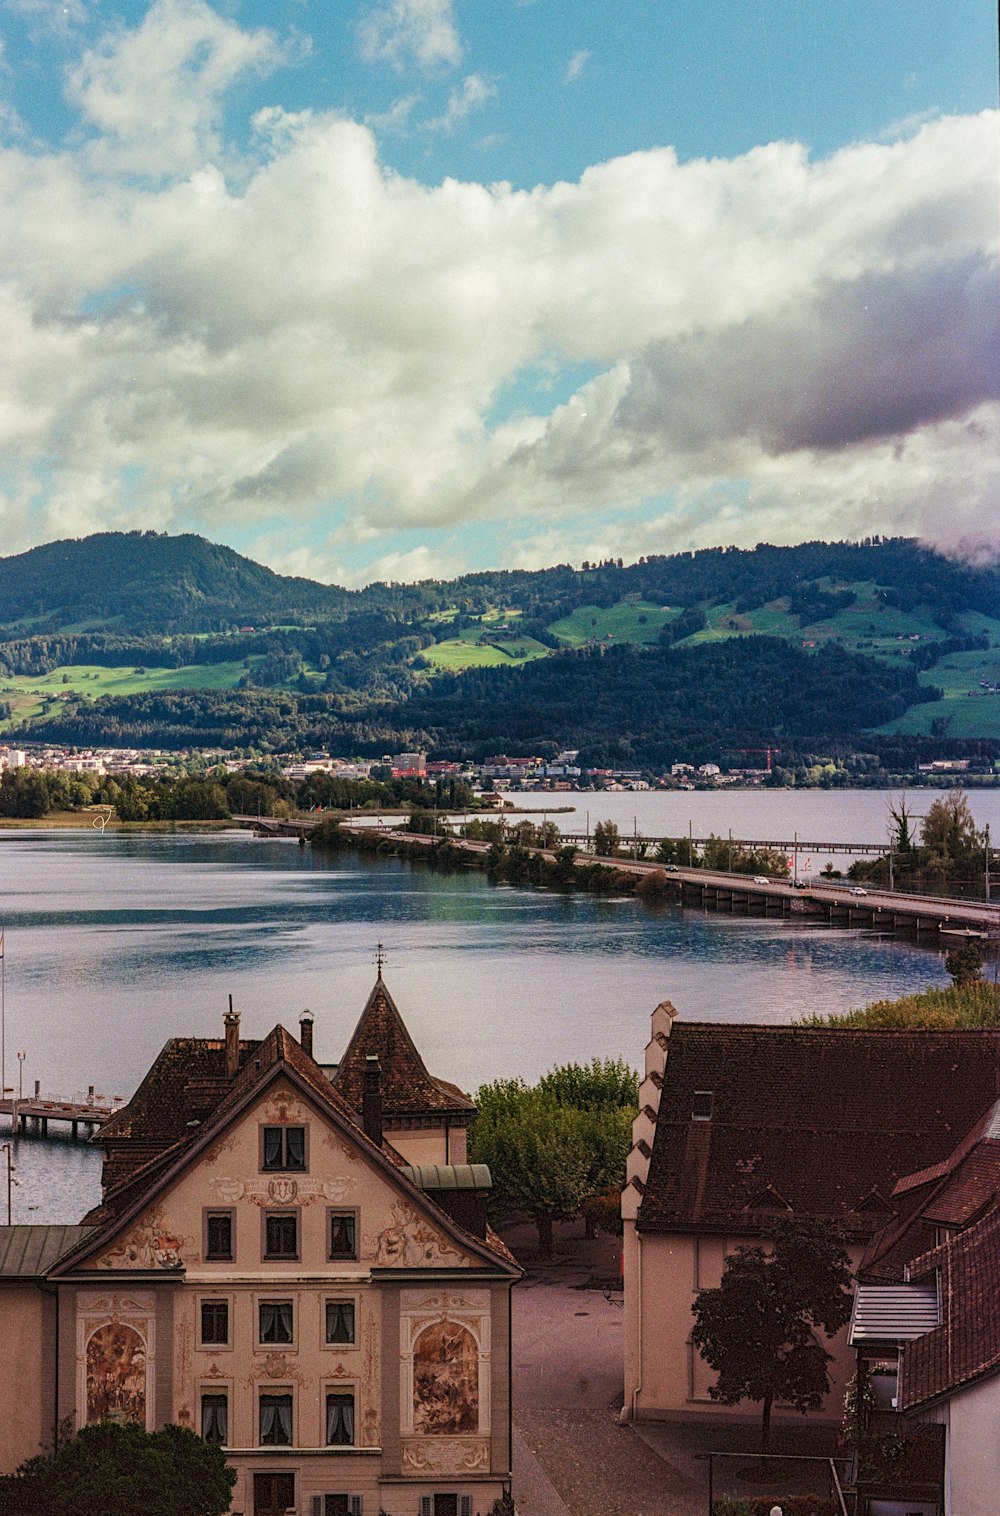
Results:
498 773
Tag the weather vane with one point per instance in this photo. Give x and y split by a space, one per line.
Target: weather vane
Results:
379 958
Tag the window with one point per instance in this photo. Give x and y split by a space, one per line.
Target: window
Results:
343 1234
276 1321
284 1147
340 1321
215 1418
338 1505
281 1234
215 1323
446 1505
219 1235
276 1420
340 1419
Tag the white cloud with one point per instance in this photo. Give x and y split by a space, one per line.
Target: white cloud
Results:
401 32
473 92
577 64
781 347
154 94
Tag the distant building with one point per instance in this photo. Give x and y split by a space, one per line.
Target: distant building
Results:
409 766
292 1260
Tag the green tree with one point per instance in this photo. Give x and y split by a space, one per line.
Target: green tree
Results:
757 1328
950 834
120 1469
965 963
535 1150
607 839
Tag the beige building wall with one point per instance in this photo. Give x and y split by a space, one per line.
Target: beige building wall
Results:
430 1144
27 1383
664 1375
159 1321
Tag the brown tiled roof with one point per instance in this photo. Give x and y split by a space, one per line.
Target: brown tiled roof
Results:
960 1189
807 1121
966 1346
407 1087
278 1052
185 1083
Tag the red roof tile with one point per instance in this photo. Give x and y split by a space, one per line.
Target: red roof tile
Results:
966 1346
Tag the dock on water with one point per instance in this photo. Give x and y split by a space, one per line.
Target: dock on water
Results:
38 1110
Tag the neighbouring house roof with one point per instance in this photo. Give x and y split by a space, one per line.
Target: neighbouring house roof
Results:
966 1345
407 1087
960 1189
892 1312
185 1082
819 1122
28 1252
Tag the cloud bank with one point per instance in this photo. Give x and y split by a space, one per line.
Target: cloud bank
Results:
778 348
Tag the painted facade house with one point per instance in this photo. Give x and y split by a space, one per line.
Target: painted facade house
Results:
926 1329
297 1267
739 1125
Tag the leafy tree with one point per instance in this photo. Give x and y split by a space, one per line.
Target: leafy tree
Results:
535 1152
964 963
607 839
551 1147
757 1328
120 1469
950 834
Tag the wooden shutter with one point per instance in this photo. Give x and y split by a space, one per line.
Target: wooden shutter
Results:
465 1505
317 1505
357 1505
425 1505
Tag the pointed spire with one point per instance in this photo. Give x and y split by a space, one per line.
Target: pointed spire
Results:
379 959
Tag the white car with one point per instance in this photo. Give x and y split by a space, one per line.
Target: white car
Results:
759 879
857 890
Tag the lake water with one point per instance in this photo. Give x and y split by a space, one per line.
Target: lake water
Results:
115 943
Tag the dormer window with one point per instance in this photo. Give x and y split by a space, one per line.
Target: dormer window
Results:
701 1105
283 1149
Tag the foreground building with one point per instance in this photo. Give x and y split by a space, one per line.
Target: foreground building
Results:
295 1262
740 1125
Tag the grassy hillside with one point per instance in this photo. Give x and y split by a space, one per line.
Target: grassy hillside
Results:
32 698
638 621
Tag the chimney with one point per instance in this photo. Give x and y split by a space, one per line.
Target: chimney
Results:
231 1020
371 1101
306 1032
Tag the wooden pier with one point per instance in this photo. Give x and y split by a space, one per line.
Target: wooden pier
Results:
89 1114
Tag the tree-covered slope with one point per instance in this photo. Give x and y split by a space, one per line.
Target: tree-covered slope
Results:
144 581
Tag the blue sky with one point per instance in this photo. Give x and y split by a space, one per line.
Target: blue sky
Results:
407 287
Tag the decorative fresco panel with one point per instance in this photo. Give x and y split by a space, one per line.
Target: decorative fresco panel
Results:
445 1380
152 1243
116 1374
410 1241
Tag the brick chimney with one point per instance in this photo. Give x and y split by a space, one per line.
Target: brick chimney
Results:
306 1032
371 1100
231 1021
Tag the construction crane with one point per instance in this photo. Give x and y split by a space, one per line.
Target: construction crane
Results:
757 750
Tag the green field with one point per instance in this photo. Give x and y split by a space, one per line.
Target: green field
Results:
30 698
467 652
968 712
628 621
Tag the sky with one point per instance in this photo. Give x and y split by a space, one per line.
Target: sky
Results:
404 288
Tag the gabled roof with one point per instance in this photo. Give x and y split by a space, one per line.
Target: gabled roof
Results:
960 1189
817 1120
407 1087
185 1082
966 1346
278 1055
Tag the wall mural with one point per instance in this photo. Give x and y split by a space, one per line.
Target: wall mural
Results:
116 1374
409 1241
445 1380
153 1243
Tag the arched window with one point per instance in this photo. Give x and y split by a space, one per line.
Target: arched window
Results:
445 1380
116 1374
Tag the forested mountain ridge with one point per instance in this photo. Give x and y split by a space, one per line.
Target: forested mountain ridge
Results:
147 582
142 639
